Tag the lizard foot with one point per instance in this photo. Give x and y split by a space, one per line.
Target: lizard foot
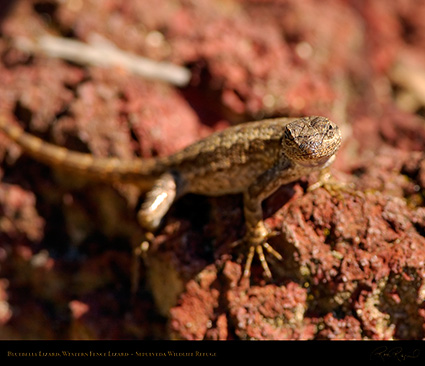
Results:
334 187
143 247
258 245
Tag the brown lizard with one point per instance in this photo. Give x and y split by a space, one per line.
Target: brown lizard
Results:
253 159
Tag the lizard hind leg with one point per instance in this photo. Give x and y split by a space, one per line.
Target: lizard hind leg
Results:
157 203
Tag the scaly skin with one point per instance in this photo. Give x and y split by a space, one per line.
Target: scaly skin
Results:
253 159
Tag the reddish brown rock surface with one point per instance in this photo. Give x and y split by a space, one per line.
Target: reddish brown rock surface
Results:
353 261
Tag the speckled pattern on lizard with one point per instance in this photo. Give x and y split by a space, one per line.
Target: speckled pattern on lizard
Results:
253 159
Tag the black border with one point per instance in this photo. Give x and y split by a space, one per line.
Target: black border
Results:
260 352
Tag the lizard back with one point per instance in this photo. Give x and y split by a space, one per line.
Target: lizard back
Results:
230 159
227 161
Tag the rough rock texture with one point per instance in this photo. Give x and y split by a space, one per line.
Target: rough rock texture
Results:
353 258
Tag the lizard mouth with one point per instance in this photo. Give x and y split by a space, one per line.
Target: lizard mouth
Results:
308 162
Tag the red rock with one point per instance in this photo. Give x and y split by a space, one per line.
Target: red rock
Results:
353 265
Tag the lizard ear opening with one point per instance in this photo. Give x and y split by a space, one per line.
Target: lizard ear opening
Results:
288 140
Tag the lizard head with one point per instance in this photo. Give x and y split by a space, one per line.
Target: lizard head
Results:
311 141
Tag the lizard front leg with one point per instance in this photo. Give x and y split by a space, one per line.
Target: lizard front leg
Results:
256 232
256 235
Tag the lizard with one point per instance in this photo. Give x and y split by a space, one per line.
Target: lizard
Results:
253 159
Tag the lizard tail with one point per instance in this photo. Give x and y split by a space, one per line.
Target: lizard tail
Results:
140 172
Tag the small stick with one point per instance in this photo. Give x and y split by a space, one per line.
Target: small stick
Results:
106 54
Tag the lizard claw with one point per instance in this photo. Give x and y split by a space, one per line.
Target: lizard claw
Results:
142 249
258 246
139 251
